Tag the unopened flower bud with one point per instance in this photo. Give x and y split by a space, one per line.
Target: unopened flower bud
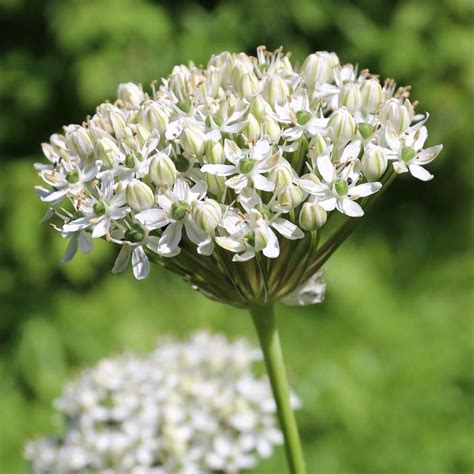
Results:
366 130
317 146
153 117
259 108
79 143
252 129
215 184
107 151
372 95
131 93
215 153
118 123
248 85
312 216
179 81
207 215
350 97
373 162
395 113
136 135
319 67
162 170
281 176
271 129
276 90
193 140
291 197
343 125
139 195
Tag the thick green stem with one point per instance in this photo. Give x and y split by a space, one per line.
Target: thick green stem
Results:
264 320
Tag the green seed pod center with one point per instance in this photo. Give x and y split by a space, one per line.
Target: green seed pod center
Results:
135 234
130 161
99 208
247 165
72 176
185 105
264 210
303 117
251 239
341 187
408 154
366 130
179 210
182 163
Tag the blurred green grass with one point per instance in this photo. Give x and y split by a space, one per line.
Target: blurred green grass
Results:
385 366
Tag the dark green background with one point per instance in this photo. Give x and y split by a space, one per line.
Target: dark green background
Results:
385 366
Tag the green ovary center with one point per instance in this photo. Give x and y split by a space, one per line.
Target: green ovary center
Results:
179 210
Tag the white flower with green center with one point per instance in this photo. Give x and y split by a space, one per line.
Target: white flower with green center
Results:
408 153
248 166
338 188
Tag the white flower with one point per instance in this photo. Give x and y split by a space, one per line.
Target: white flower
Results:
131 93
338 188
189 407
248 166
409 154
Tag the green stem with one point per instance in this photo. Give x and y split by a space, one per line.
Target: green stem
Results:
264 321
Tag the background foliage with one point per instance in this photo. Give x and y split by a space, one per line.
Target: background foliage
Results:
385 366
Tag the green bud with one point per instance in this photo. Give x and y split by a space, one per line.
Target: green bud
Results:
366 130
207 215
408 154
185 105
264 210
259 107
373 163
271 128
179 210
99 208
291 197
72 176
303 117
246 165
135 234
193 140
252 130
181 163
130 161
341 187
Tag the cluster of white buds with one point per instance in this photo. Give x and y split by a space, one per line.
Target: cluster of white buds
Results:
190 407
235 175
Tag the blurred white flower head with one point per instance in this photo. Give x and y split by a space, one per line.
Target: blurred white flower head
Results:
162 173
191 407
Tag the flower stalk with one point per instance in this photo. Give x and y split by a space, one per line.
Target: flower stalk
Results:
265 325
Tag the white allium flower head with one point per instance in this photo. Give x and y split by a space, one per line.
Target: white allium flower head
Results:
166 174
188 407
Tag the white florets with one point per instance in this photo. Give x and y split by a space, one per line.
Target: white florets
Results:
189 407
231 154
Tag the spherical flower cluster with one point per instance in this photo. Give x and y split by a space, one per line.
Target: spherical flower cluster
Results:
190 407
246 160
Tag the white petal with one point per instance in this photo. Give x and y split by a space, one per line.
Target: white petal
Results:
206 248
243 257
311 187
231 244
328 204
85 242
122 259
365 189
171 238
287 228
351 152
349 208
152 218
261 149
326 168
140 263
231 151
196 235
262 183
419 172
249 199
181 189
272 250
427 156
219 170
78 224
101 228
71 249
